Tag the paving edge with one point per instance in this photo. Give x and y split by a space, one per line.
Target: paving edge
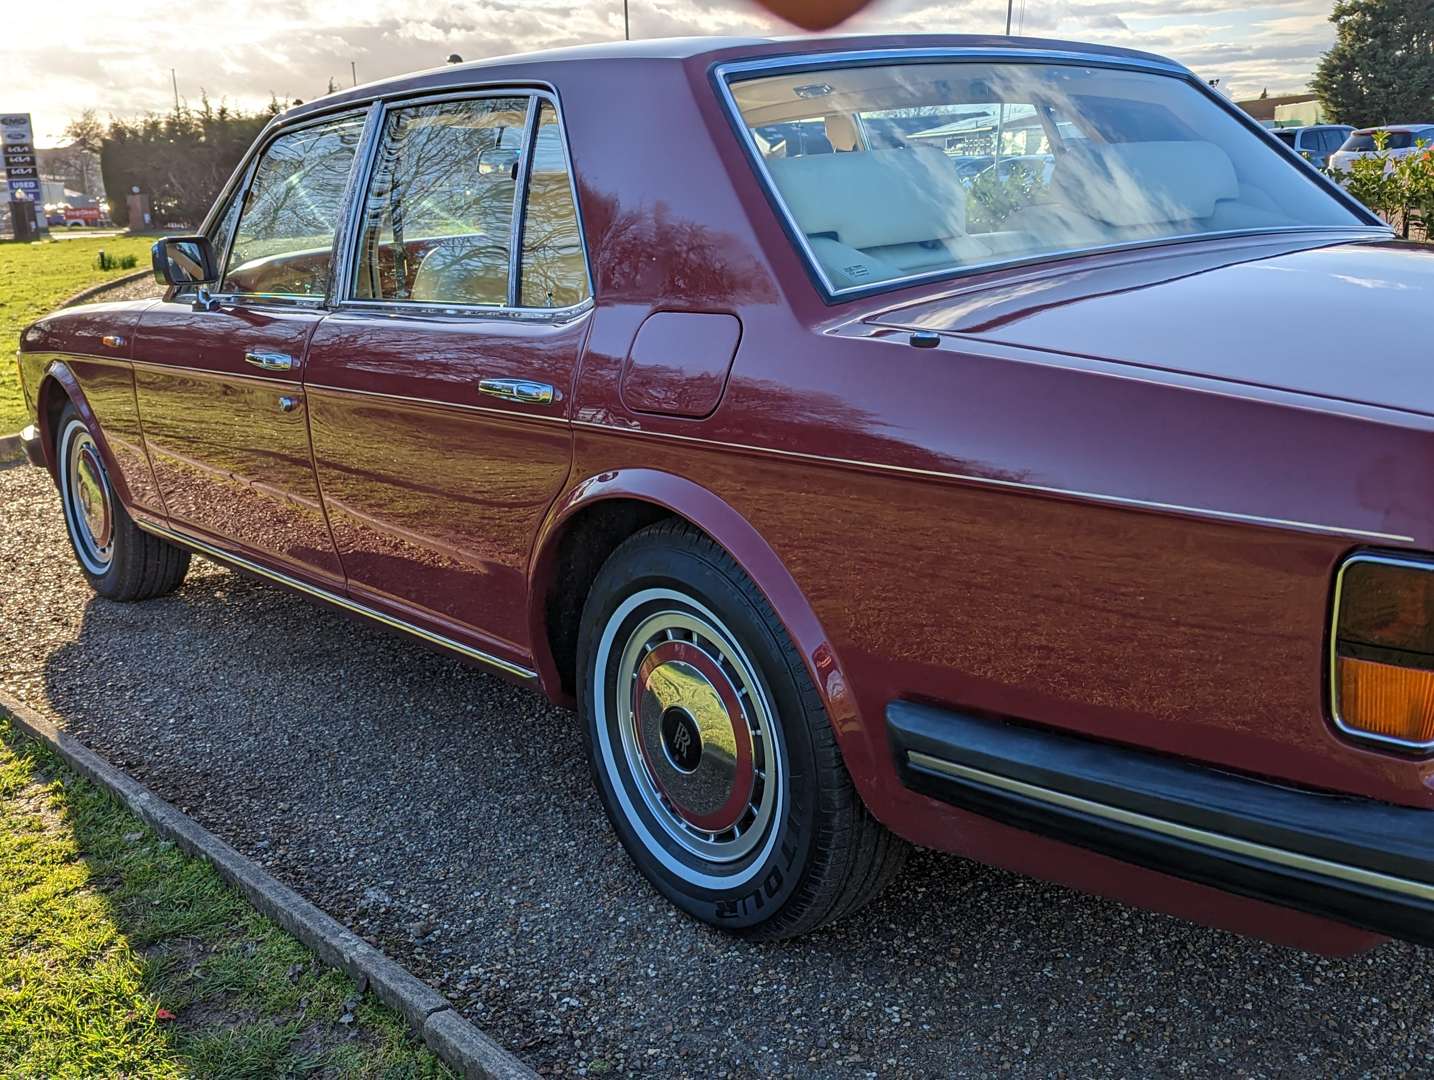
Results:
460 1045
103 287
11 452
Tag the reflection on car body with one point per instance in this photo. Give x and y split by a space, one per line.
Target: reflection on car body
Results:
895 454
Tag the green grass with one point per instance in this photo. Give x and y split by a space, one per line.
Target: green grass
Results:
120 956
34 278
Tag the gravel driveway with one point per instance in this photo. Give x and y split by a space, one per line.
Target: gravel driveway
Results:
448 818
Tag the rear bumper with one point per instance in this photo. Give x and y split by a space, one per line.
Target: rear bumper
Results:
1360 862
33 447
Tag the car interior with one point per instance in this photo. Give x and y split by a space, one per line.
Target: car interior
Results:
896 171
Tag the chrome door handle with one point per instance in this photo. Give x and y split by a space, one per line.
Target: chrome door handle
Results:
269 360
529 393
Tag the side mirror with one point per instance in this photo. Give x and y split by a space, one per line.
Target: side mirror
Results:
184 260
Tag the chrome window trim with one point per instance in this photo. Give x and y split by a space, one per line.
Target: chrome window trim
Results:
417 309
1339 722
336 599
344 298
238 187
725 74
353 205
1206 838
520 199
340 292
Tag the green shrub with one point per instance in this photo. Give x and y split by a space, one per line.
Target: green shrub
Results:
1398 189
110 262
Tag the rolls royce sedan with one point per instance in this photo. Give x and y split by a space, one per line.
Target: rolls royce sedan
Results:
851 504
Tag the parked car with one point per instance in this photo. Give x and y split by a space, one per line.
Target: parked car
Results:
1404 139
1316 142
847 515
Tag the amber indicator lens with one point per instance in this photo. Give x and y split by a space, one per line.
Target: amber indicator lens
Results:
1385 699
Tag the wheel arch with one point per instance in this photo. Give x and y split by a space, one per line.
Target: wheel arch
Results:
58 388
600 513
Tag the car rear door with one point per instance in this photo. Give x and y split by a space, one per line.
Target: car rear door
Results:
439 391
219 384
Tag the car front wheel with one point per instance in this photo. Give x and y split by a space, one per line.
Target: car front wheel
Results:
120 560
710 748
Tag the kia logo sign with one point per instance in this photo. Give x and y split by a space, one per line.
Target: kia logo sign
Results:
814 14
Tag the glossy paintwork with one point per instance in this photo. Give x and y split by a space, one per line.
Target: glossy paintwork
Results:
679 361
231 463
433 489
1111 501
96 375
1341 309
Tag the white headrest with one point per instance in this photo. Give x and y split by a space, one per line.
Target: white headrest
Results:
1145 183
874 198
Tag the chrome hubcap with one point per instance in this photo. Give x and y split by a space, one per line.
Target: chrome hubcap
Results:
89 508
694 730
94 499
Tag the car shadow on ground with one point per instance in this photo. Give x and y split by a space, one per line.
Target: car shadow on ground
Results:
449 817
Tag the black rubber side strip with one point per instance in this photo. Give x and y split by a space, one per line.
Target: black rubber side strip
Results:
1359 833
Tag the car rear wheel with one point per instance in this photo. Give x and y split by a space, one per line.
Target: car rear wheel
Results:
121 561
710 748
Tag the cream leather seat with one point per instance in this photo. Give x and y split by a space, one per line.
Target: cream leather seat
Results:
878 214
463 270
1109 192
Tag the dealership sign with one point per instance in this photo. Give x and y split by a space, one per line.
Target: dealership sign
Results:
17 151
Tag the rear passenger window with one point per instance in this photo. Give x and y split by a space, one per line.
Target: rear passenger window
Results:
553 272
283 243
438 214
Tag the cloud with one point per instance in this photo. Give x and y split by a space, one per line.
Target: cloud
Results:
116 60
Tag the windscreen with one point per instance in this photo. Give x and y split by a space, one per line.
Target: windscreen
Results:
891 171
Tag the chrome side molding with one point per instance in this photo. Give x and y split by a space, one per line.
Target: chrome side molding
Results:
209 551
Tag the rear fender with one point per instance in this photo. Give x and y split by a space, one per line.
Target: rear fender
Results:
708 512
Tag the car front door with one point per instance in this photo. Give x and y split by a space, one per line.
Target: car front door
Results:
439 392
219 383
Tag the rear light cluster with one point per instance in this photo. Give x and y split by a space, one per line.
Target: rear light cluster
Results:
1382 651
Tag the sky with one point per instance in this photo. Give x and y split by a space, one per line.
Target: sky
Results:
116 59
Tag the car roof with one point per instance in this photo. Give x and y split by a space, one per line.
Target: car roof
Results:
538 66
1394 127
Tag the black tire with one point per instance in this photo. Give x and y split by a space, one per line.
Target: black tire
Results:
819 855
120 560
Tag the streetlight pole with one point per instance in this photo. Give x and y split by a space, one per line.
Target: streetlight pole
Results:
1009 4
626 26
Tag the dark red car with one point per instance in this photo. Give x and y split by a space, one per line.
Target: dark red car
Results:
997 445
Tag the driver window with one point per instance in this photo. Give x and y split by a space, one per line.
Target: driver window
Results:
283 242
438 215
